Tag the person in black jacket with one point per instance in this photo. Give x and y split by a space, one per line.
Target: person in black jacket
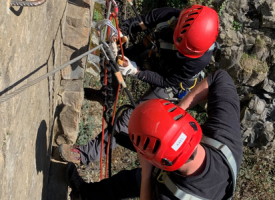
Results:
185 49
191 166
192 39
195 33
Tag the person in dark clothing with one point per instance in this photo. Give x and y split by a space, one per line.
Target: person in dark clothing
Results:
192 41
194 168
195 33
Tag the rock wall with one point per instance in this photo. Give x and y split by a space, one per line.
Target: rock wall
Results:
247 40
34 41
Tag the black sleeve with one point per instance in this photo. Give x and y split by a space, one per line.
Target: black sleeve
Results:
151 19
223 109
185 68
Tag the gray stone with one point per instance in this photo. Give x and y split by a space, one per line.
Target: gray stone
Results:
269 85
267 135
232 63
245 92
249 42
72 96
257 105
261 52
256 78
69 119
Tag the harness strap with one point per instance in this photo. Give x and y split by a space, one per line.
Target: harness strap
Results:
170 46
196 79
166 45
180 194
186 195
165 24
228 155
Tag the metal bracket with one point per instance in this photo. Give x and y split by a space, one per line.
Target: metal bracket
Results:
27 3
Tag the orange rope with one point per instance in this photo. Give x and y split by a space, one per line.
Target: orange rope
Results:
103 122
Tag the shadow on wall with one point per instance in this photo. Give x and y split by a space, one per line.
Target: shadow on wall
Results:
54 184
56 187
79 3
17 12
42 155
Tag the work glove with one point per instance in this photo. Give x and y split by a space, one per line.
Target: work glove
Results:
126 66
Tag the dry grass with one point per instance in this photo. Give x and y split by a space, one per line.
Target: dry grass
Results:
250 63
256 179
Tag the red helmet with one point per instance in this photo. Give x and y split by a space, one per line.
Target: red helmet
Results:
163 133
197 29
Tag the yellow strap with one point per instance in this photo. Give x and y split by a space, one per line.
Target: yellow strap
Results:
159 179
191 86
174 47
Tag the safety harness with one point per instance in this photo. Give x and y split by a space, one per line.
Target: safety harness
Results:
169 46
223 150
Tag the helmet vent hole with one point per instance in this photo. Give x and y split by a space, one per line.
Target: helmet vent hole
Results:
178 117
146 143
172 109
167 103
193 14
156 147
186 25
189 19
138 140
183 31
133 137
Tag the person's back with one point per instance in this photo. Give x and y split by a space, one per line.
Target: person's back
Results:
167 137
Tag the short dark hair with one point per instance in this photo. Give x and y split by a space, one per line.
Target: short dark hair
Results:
192 157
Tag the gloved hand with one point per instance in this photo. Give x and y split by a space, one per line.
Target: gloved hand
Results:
127 67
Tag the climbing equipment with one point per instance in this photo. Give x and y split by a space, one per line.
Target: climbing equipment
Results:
196 31
108 64
196 79
163 133
222 150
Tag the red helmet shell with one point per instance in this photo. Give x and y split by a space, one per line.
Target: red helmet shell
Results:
197 29
163 133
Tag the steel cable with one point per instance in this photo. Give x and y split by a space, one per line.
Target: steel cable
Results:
19 90
27 3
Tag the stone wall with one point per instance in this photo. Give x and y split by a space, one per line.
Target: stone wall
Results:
247 42
34 41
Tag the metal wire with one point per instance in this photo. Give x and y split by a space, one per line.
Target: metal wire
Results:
27 3
12 94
